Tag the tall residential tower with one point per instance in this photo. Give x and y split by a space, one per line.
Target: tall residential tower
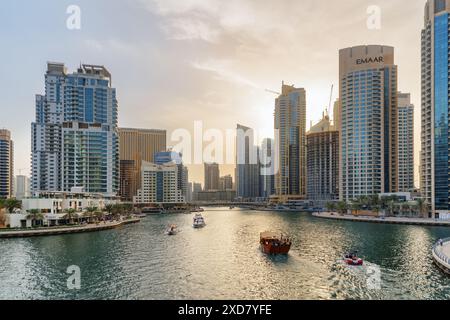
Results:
405 143
6 164
369 134
74 138
435 154
290 127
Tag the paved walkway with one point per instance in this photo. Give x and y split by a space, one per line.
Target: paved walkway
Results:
387 220
441 255
65 230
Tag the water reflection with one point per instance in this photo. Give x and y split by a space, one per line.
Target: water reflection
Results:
223 261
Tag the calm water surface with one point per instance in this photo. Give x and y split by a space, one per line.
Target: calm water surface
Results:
223 261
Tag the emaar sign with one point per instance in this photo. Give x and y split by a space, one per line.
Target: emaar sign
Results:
370 60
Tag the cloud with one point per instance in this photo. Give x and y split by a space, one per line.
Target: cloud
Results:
222 69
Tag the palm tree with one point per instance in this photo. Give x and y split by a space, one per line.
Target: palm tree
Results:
342 207
356 205
99 215
34 215
109 208
12 204
391 207
89 213
331 206
70 215
118 211
422 207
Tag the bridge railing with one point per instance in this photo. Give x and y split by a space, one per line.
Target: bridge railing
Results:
439 255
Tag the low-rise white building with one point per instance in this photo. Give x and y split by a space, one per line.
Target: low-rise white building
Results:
53 205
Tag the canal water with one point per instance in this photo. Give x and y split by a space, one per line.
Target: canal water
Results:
223 261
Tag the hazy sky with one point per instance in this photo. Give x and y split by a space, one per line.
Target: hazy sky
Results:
177 61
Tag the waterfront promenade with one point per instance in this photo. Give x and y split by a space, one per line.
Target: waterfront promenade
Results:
65 230
441 255
386 220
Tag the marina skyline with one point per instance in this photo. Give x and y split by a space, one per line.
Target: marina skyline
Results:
231 67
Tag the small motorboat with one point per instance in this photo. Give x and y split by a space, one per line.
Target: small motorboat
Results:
199 221
352 259
173 230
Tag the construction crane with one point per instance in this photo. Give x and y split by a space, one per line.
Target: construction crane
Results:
274 92
331 98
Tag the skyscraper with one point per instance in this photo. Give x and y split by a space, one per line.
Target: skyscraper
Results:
290 126
405 143
323 161
22 187
369 134
159 184
165 157
226 183
247 164
74 138
212 175
435 156
137 145
267 168
6 165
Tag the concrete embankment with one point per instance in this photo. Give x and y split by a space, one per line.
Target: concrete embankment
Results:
65 230
387 220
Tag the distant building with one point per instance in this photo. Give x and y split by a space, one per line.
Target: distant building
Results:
74 137
212 175
159 184
22 187
323 161
189 196
405 143
137 145
226 183
176 158
216 196
196 188
247 164
6 165
290 127
268 168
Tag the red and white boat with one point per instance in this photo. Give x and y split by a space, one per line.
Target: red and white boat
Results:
352 259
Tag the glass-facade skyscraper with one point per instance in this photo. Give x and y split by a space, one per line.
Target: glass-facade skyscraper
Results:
290 133
74 138
405 143
6 165
435 155
247 164
368 121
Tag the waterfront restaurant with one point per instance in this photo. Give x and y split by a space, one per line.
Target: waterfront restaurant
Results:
53 206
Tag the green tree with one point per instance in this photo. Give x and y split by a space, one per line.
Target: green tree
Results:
70 215
34 215
12 204
422 208
356 205
109 208
342 207
331 206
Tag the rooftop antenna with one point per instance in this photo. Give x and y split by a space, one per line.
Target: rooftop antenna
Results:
331 98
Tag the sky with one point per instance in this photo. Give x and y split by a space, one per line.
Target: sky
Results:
174 62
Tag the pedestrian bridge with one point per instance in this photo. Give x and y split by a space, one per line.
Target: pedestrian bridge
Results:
441 254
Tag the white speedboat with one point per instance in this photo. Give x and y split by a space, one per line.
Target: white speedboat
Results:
199 221
172 230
